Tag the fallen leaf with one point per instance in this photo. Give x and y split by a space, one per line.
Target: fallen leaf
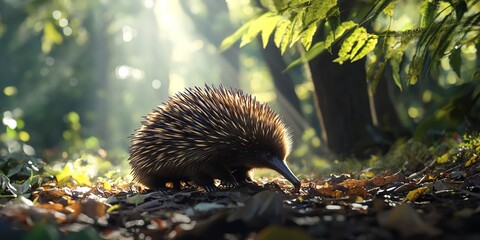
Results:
353 183
415 194
471 160
262 209
136 199
406 221
380 180
281 233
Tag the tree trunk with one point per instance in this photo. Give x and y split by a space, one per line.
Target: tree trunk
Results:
341 94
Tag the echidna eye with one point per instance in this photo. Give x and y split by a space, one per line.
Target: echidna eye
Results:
268 155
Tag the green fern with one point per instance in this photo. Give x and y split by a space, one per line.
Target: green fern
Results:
443 27
296 22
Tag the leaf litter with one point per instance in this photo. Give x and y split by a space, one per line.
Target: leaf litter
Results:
439 201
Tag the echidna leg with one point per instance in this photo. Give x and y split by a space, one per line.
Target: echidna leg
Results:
206 182
224 174
177 185
215 171
241 175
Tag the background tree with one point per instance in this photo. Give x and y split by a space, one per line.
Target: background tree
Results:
353 115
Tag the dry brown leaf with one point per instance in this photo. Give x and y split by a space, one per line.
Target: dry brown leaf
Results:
330 192
349 183
380 180
357 191
93 209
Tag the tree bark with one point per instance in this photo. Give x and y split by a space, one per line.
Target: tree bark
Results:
341 92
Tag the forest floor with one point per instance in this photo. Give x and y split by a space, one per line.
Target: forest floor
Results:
440 200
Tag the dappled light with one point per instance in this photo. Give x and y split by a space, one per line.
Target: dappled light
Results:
271 119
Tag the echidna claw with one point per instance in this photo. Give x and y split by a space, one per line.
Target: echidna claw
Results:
228 184
210 188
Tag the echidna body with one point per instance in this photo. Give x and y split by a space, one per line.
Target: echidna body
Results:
202 134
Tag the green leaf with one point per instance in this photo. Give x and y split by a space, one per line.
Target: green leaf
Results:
389 9
460 9
268 27
283 33
332 36
297 26
316 12
377 8
428 11
319 47
365 48
50 36
374 73
307 36
136 199
456 60
14 170
258 25
357 45
395 65
230 40
21 189
43 230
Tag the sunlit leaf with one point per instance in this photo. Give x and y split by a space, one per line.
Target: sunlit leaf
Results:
256 27
428 10
283 33
307 36
417 193
366 48
443 159
107 186
357 45
113 208
297 26
268 26
230 40
471 160
50 37
82 179
389 10
319 47
66 172
317 11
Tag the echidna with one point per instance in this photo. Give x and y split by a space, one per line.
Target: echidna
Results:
202 134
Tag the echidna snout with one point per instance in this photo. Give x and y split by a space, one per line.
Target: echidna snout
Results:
202 134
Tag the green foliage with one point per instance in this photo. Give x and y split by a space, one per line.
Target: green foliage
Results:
18 173
443 28
295 21
50 37
452 111
357 45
